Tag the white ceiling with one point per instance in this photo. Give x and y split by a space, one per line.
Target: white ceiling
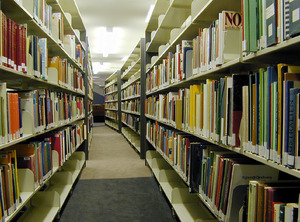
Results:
125 17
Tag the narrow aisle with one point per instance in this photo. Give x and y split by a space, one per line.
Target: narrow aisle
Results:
111 156
115 185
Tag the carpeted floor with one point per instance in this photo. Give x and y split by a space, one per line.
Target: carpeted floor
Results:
115 185
114 200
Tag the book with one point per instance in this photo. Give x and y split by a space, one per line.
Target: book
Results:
271 23
238 81
294 22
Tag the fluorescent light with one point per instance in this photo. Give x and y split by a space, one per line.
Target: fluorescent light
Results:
98 67
149 13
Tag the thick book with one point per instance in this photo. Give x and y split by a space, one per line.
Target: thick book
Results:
292 127
271 16
238 81
195 166
241 174
294 18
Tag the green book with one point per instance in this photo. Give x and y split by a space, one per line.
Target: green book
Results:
252 26
261 111
246 19
265 110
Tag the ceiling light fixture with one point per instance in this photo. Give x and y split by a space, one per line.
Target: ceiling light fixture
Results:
149 13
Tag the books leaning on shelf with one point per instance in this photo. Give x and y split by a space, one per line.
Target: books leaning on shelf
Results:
63 73
132 121
258 112
132 90
131 105
30 112
37 156
13 44
221 177
111 114
268 23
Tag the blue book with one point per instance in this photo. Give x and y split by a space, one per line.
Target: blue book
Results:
292 127
288 85
271 8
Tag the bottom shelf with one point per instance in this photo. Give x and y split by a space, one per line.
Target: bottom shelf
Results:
112 124
187 206
132 138
45 205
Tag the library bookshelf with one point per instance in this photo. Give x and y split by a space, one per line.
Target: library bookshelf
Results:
46 121
131 97
183 107
112 101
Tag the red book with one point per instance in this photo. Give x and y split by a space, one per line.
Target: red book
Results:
14 45
238 81
4 39
27 161
219 182
56 145
19 41
24 53
9 42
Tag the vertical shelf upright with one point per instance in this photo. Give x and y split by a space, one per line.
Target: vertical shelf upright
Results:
131 97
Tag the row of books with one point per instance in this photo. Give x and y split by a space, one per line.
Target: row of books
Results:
174 146
132 121
131 105
37 156
13 44
30 112
273 201
217 44
110 97
220 177
111 114
257 112
132 90
112 105
54 23
111 88
213 46
61 72
266 23
29 53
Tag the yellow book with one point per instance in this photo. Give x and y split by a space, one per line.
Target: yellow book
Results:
192 108
197 90
178 113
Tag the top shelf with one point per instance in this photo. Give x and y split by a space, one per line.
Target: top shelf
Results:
112 77
160 8
133 56
22 15
71 7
